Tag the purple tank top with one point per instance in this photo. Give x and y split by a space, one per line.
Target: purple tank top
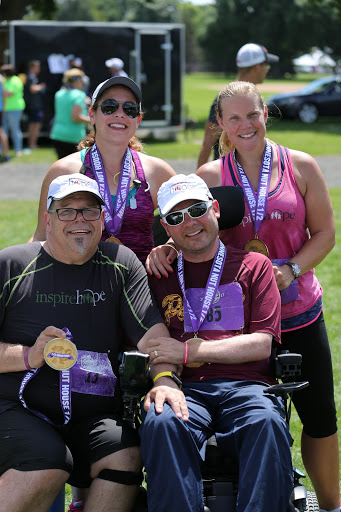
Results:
136 232
283 230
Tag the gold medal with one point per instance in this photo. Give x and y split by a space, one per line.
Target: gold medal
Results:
194 365
256 245
113 238
60 353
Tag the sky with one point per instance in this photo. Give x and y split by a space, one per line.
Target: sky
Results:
202 2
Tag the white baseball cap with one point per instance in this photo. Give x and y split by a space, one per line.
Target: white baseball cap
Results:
180 188
69 184
117 80
251 54
115 62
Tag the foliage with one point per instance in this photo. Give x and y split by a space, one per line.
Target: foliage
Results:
287 32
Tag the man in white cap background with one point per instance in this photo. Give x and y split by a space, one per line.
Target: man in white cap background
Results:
253 63
116 66
83 292
222 308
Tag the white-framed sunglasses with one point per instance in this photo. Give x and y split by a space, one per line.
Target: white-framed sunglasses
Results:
195 211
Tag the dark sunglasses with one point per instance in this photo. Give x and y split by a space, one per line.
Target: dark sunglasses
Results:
195 212
130 108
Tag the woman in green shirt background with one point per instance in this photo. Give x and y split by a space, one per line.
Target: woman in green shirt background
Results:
70 113
14 106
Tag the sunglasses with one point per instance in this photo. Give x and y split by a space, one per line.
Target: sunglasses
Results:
195 212
130 108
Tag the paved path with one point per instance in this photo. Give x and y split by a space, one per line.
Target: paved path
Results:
23 181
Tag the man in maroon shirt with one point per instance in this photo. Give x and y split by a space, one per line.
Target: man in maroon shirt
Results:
222 308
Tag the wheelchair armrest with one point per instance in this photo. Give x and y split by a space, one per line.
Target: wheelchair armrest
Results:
286 364
285 388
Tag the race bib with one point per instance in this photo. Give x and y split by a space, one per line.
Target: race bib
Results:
226 312
93 375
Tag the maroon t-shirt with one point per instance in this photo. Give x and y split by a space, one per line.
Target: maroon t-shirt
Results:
258 301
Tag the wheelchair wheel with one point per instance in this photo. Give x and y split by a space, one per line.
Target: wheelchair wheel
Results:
312 503
308 504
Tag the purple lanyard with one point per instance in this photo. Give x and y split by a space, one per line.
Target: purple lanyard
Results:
64 389
211 285
113 216
257 202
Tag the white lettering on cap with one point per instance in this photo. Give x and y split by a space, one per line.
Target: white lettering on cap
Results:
181 186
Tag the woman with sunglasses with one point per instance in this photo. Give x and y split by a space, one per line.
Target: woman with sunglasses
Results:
112 155
289 218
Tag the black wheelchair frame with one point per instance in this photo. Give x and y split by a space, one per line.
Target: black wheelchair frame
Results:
219 472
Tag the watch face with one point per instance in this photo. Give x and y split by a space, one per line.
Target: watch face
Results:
296 269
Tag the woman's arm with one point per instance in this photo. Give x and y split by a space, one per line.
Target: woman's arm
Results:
319 218
77 115
68 165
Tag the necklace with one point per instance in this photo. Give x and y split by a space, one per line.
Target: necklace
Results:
118 174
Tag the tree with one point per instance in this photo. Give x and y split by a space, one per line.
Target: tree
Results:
286 31
15 10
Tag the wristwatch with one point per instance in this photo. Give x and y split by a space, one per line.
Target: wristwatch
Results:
172 375
296 270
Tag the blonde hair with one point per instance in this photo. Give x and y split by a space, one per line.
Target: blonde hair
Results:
229 91
70 75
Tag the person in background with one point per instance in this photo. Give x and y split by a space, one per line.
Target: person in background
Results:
253 63
77 62
4 157
116 66
14 106
33 94
70 113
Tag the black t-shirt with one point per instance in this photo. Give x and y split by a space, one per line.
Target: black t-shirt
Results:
33 101
97 301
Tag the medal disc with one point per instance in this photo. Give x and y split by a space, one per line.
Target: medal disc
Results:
114 239
60 353
194 365
256 245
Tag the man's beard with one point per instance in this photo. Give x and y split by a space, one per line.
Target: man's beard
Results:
80 245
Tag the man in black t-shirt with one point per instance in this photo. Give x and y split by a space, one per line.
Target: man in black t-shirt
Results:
85 293
33 94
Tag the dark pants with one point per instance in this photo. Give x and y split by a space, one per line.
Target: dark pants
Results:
249 427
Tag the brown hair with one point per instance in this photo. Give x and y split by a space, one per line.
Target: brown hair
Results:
90 139
229 91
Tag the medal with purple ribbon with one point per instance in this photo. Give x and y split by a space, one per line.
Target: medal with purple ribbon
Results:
64 386
113 216
257 202
210 290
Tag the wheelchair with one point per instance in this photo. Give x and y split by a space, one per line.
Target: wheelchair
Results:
219 471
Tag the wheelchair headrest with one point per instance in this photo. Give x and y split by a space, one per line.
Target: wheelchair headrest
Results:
232 205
